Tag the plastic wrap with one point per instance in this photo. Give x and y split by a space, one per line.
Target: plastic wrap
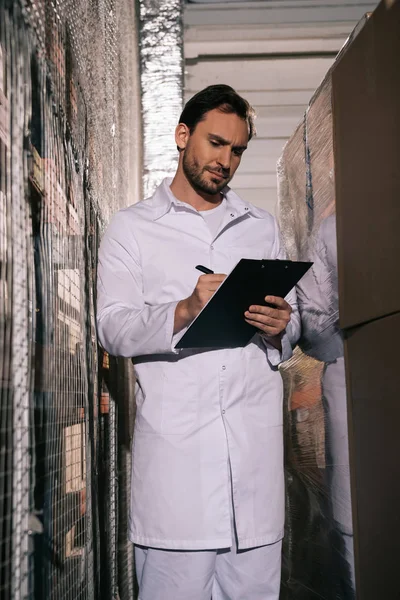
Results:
161 60
318 547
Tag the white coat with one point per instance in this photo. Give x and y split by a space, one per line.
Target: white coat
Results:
198 412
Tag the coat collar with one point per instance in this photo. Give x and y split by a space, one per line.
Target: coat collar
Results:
163 199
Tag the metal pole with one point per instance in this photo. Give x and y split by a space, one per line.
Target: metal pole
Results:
20 348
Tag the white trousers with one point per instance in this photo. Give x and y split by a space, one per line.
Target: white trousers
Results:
226 574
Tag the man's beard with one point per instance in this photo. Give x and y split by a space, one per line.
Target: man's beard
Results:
194 174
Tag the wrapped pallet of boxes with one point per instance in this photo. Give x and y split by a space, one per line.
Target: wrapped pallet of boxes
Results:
339 183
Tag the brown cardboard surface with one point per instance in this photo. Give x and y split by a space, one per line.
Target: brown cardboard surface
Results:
373 384
366 118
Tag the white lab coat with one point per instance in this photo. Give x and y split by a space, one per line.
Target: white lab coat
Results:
197 411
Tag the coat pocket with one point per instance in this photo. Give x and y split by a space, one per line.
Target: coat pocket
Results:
264 388
180 397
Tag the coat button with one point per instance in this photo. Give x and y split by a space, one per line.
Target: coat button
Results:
223 367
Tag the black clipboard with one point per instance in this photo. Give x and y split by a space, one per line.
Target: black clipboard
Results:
221 322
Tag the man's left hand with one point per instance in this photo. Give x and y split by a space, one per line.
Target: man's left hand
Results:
270 321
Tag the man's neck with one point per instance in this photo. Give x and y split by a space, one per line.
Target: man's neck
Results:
185 192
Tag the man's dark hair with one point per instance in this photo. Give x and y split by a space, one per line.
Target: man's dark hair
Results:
222 97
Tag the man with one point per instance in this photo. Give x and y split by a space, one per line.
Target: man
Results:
207 504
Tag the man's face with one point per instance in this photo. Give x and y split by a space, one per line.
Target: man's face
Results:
214 150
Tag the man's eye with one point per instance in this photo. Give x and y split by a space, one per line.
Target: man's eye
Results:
238 152
216 144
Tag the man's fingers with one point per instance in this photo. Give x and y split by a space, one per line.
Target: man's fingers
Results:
278 302
210 283
271 331
214 278
266 310
272 313
271 321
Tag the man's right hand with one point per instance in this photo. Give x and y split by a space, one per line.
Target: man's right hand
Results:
188 309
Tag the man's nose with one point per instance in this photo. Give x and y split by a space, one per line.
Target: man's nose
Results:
224 158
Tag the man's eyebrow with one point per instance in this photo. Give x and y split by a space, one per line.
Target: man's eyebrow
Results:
224 142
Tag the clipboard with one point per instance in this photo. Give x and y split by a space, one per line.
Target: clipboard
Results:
221 323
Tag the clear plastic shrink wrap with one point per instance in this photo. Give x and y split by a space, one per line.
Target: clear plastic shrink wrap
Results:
161 62
318 547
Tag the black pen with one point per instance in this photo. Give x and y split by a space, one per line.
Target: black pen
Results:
204 270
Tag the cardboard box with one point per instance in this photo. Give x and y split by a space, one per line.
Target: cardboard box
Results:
366 119
373 390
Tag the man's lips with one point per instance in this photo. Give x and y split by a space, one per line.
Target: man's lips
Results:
217 174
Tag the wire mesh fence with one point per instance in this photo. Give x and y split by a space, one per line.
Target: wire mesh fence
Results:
68 149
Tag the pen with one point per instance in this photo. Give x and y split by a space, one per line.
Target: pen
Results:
204 270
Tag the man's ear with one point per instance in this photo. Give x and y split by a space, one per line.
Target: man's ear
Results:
182 135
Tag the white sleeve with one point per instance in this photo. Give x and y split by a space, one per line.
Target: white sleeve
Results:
126 325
